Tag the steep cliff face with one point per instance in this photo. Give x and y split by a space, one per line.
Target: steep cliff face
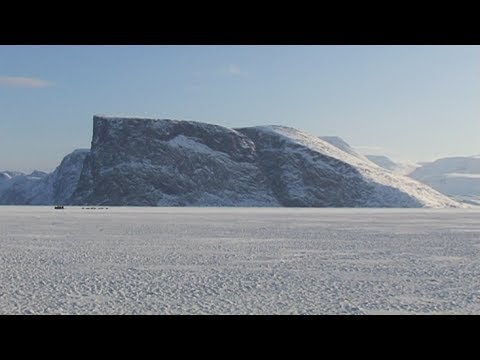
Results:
167 162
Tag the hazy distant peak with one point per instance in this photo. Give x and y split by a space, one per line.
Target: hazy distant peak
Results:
342 145
397 167
382 161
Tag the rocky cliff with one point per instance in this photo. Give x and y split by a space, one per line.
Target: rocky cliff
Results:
148 162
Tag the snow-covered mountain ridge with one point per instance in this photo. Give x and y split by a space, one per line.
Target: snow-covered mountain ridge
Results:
149 162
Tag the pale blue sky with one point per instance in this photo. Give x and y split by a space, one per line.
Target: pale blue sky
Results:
413 103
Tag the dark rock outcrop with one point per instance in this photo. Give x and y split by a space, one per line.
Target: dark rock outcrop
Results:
167 162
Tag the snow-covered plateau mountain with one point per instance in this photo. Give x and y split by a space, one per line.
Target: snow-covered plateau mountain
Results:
149 162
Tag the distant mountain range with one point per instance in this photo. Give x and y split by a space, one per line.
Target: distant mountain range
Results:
457 177
149 162
40 188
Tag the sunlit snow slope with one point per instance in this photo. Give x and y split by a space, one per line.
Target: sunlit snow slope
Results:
305 170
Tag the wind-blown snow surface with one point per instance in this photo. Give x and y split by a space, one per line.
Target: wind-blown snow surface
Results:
239 261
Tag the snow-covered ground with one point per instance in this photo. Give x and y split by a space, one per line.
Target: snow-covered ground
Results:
239 261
